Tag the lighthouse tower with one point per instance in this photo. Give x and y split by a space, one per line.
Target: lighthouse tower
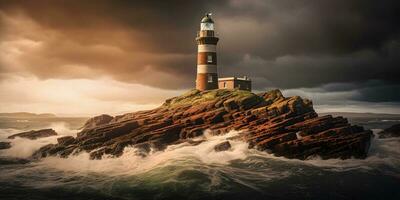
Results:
207 73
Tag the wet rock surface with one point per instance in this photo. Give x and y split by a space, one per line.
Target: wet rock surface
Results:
66 140
97 121
393 131
224 146
33 135
13 161
285 126
5 145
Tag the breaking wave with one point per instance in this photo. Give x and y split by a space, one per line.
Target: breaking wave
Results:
382 152
24 148
185 167
132 163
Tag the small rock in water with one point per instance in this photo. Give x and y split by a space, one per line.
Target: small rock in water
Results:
5 145
393 131
222 146
33 135
12 161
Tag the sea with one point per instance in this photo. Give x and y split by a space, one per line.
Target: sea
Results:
193 172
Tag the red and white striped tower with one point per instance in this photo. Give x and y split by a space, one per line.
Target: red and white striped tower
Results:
207 73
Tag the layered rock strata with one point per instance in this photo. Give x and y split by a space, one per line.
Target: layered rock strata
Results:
284 126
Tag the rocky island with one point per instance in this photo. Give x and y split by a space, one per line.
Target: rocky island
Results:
284 126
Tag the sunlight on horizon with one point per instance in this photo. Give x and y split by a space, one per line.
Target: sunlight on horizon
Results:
79 97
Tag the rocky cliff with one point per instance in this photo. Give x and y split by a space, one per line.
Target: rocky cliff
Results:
285 126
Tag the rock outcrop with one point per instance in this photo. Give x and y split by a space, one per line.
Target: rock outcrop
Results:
5 145
393 131
13 161
222 146
66 140
97 121
33 135
285 126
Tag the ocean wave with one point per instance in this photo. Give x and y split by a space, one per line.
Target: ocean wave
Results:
184 167
5 132
383 152
24 148
187 171
240 159
182 163
131 163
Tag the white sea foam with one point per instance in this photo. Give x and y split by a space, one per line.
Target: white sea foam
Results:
390 120
131 163
4 133
382 152
183 165
62 129
24 148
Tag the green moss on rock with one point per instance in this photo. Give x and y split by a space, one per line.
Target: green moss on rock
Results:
194 97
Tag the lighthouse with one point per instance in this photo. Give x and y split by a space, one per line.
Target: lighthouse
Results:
207 72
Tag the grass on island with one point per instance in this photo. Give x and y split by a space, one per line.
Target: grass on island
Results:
194 96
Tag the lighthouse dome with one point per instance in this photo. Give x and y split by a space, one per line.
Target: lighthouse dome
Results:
207 19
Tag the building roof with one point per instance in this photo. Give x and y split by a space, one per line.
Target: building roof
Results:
207 19
245 78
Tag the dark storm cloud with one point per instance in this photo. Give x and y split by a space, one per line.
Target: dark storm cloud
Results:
336 45
318 27
143 42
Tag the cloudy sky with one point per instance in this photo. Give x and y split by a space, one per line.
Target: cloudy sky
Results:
89 57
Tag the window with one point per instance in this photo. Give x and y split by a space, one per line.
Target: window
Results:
207 26
210 79
209 58
224 84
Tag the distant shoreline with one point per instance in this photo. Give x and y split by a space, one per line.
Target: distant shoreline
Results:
51 115
362 115
27 115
